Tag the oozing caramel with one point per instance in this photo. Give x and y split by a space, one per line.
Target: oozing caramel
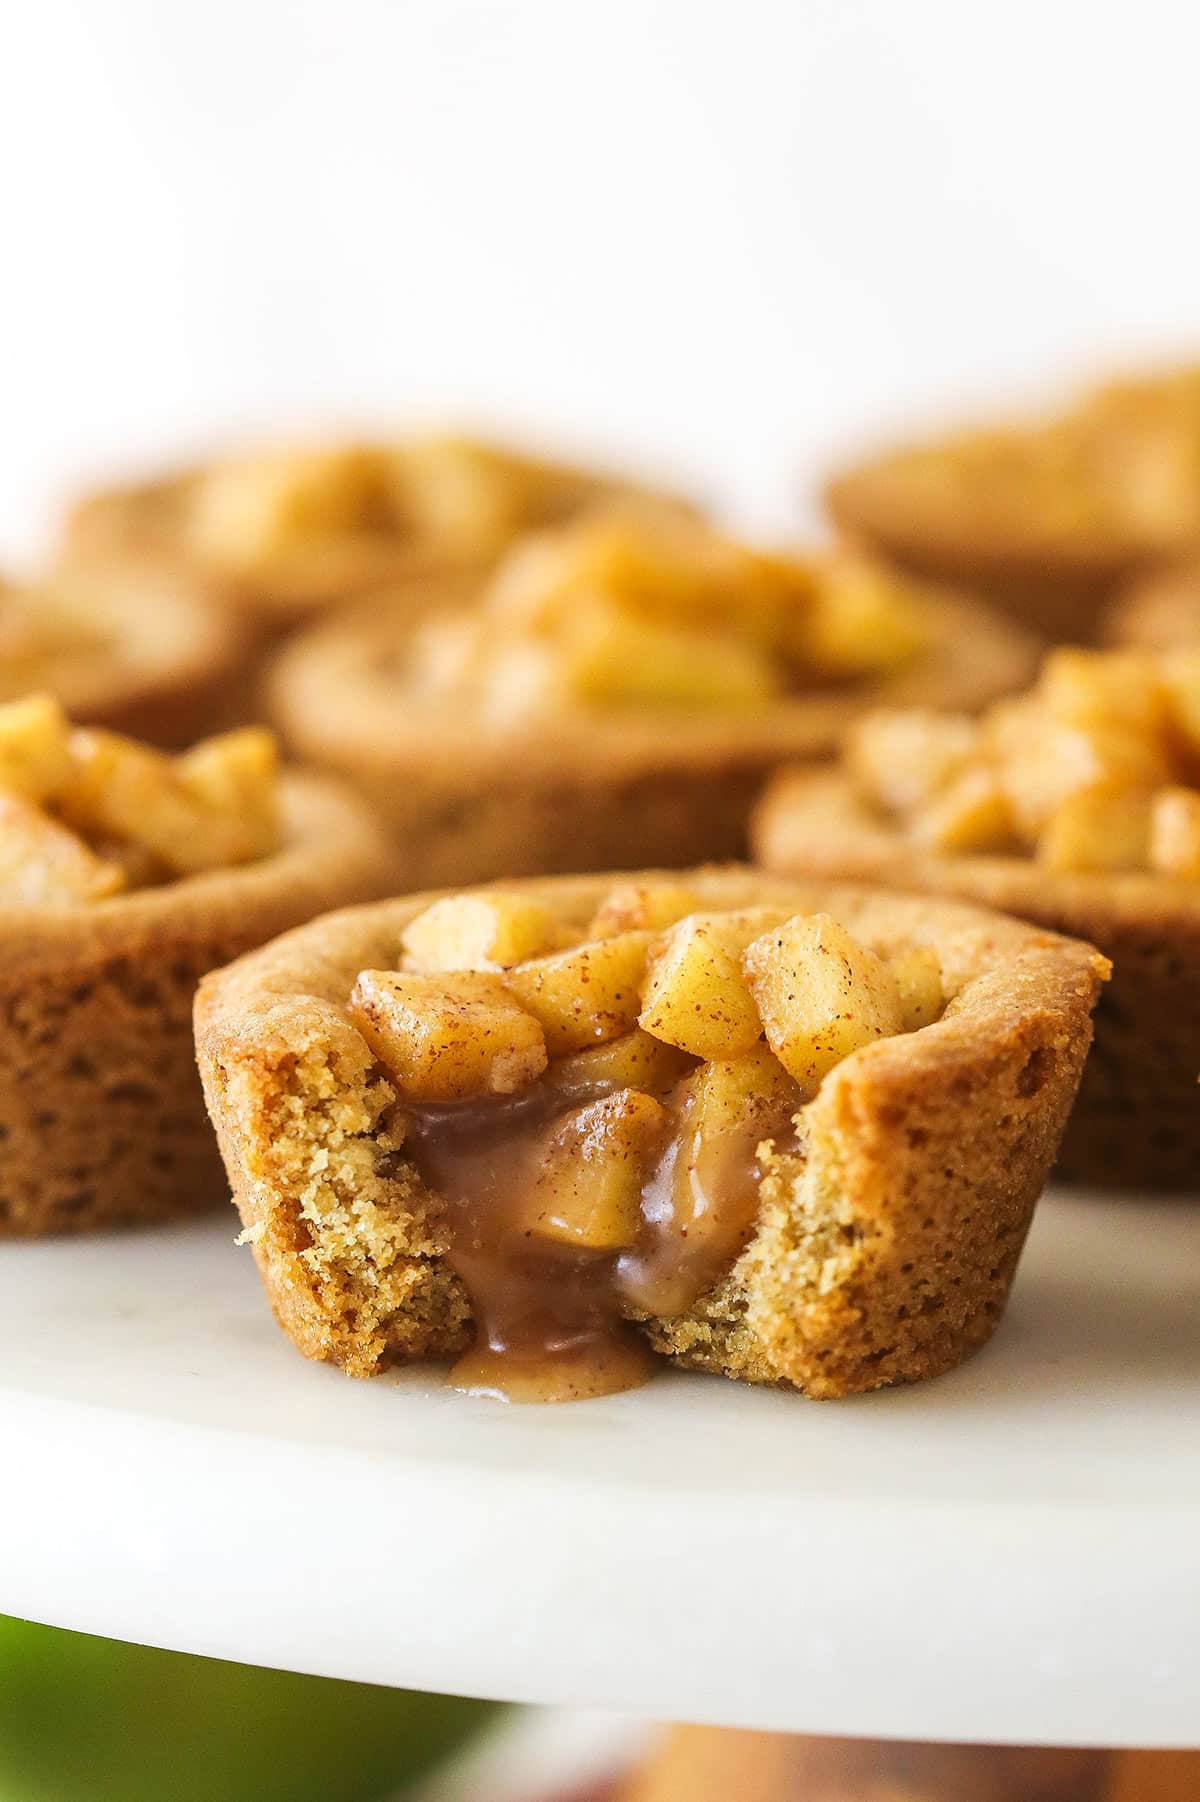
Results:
551 1316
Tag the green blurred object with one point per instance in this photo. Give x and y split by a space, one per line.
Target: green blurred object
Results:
92 1720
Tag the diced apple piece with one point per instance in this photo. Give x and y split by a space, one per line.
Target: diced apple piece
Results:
918 975
703 1212
971 814
1104 688
1175 833
634 1061
608 655
820 995
448 1038
1103 827
451 487
1181 680
696 996
251 508
631 906
235 777
752 1093
489 931
585 995
862 618
1042 761
652 564
121 789
901 758
44 865
34 758
124 790
731 1106
588 1191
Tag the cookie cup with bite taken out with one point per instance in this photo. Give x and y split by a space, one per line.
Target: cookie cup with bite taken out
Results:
125 875
790 1132
618 693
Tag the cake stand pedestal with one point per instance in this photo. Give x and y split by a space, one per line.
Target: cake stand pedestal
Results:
1010 1554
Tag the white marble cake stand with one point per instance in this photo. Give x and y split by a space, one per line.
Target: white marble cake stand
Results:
1009 1554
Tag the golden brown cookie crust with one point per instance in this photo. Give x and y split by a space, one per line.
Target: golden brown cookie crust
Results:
1159 613
1137 1122
101 1116
887 1260
586 790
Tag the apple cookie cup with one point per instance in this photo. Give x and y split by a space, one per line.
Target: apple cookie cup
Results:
287 532
1074 806
657 735
1050 517
101 1114
866 1173
1137 1121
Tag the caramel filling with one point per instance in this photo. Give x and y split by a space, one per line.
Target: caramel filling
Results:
550 1311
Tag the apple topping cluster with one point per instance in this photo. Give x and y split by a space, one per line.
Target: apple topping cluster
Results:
623 1069
250 511
1095 769
1125 459
85 814
644 607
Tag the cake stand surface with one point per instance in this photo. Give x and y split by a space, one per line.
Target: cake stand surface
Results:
1011 1553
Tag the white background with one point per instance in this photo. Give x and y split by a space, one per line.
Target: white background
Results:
729 236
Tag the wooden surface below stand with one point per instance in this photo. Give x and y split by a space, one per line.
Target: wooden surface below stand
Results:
706 1764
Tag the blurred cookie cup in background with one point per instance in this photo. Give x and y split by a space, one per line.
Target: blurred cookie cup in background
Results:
121 643
285 532
618 691
1049 515
1076 807
126 875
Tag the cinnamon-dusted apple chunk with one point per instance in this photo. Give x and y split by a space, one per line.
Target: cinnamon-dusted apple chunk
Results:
618 691
1051 515
125 874
1077 807
439 1154
288 530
